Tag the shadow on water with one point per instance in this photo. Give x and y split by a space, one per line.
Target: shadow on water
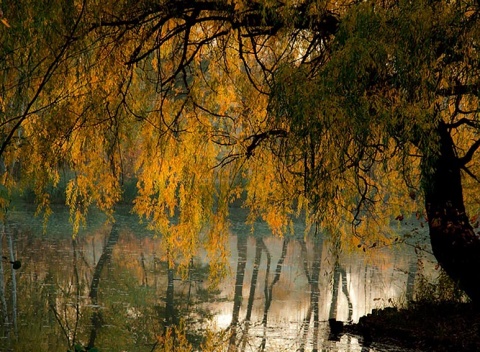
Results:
114 288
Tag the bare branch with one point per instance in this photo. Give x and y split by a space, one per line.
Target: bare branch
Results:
227 160
463 121
469 173
469 155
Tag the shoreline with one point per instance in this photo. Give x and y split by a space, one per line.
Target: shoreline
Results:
442 326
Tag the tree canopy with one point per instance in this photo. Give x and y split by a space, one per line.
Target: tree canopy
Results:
339 110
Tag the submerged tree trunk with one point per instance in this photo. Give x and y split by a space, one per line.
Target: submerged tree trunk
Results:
455 244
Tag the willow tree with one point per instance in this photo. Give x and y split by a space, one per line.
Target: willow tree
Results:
350 112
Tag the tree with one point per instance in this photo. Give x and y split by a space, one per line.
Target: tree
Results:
349 111
402 82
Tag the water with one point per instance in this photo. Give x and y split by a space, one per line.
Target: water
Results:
115 290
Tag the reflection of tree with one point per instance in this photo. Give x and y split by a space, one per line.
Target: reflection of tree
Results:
144 269
238 294
11 252
69 332
102 262
170 316
128 306
183 312
412 273
4 309
62 292
3 299
253 286
269 288
313 281
339 272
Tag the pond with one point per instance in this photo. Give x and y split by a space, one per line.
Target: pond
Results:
111 287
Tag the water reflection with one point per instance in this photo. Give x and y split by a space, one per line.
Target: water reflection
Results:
113 287
291 288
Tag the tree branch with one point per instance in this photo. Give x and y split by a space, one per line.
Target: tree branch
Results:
469 155
463 121
260 19
46 78
258 138
469 173
460 90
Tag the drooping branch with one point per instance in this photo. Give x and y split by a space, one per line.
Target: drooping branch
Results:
258 138
260 20
52 68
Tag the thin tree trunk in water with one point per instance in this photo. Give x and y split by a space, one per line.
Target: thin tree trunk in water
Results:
251 295
278 271
412 273
77 291
315 290
169 304
454 243
269 288
253 284
238 295
332 314
345 291
102 262
313 279
2 286
306 320
144 269
14 283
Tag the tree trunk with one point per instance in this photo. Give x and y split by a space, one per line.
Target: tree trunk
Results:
454 243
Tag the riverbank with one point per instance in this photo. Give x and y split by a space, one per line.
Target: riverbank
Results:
424 326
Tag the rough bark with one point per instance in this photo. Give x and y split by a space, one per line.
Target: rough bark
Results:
455 244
